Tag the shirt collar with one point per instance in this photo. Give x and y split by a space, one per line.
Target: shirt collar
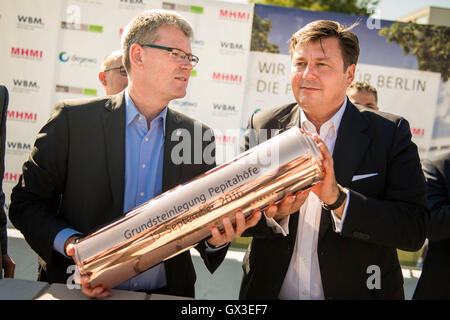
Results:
335 119
132 112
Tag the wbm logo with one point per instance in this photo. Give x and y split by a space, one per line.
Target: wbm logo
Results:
18 148
222 109
26 53
131 4
29 22
231 45
25 86
241 16
227 78
22 116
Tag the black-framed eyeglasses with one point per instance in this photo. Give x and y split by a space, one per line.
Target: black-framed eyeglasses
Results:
179 55
121 69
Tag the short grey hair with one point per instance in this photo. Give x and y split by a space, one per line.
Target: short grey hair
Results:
143 28
110 58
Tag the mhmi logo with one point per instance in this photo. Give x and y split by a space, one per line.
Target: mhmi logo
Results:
418 132
22 116
224 138
29 20
26 53
224 107
228 78
234 15
11 177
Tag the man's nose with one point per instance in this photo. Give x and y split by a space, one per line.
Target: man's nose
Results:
309 72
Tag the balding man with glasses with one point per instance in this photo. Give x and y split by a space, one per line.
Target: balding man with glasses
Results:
113 75
97 159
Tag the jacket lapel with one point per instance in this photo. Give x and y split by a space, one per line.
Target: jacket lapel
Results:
351 145
290 120
171 172
113 117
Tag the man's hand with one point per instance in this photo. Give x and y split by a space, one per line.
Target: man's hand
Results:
98 291
8 265
288 205
327 190
229 232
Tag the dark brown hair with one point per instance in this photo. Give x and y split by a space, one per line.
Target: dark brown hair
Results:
321 29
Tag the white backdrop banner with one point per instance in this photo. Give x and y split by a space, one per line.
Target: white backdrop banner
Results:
29 39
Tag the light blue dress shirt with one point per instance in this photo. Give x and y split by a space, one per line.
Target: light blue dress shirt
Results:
144 155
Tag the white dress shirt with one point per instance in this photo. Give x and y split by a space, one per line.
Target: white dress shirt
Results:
303 280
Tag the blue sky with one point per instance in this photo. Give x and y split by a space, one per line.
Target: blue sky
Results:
374 48
392 10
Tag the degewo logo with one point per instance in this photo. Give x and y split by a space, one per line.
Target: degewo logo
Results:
63 56
77 60
239 16
29 22
26 53
227 78
25 86
184 105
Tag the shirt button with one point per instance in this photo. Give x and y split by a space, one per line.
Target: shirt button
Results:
140 118
141 194
305 293
146 139
143 166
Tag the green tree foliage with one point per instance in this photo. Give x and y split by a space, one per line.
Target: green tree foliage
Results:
429 43
358 7
262 27
260 33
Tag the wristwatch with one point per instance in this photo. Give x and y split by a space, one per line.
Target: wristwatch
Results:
340 200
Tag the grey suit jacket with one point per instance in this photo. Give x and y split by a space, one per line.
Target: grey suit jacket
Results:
75 178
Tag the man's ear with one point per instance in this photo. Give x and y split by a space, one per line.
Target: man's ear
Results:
350 73
102 78
136 52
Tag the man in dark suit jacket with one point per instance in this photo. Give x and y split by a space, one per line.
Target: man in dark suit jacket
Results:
434 282
78 175
337 240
